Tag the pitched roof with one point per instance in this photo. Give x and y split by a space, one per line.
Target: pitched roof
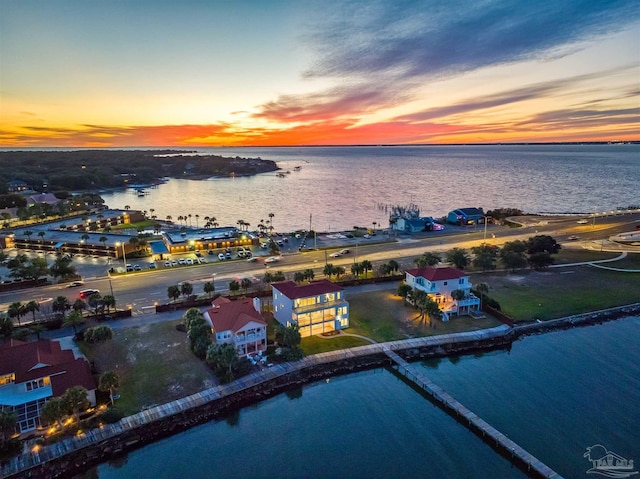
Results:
233 315
295 291
43 358
437 274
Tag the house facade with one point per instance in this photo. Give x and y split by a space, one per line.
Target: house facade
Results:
31 373
439 284
413 225
239 323
316 307
466 216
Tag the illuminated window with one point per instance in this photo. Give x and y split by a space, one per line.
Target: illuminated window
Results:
37 383
7 379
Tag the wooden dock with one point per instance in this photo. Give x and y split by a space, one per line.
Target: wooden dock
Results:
516 454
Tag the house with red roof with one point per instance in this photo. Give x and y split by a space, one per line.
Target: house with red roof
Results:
439 283
239 323
316 307
31 373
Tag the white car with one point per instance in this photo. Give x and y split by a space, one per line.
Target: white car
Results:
221 256
367 236
582 222
272 259
167 264
182 261
344 251
189 261
337 254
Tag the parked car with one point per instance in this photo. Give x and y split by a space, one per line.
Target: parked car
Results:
152 265
85 293
228 255
198 254
221 256
211 253
137 267
182 261
189 261
174 262
167 264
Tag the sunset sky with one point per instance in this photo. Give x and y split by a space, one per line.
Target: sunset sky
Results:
300 72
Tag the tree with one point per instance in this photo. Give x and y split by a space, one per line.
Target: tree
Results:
31 307
356 269
339 271
173 292
6 326
109 302
404 291
37 268
328 270
458 257
79 305
98 334
37 329
199 334
540 260
8 420
542 244
245 284
482 289
190 315
103 240
427 259
186 288
75 400
16 310
74 319
298 277
278 276
309 275
366 267
209 288
234 286
393 266
28 234
62 267
221 358
426 305
485 256
109 380
95 301
53 411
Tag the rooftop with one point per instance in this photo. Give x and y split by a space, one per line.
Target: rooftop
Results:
295 291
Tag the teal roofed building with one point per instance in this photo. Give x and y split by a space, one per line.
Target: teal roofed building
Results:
466 216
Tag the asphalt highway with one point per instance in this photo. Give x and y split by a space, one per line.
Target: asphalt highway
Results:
142 290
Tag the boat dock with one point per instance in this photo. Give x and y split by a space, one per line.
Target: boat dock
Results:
490 435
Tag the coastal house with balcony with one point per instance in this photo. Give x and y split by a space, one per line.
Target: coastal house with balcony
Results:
31 373
316 307
439 284
239 323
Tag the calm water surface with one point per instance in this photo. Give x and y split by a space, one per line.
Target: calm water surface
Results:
344 187
554 394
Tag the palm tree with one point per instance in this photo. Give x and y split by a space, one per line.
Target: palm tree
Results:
308 274
74 319
79 305
328 270
169 218
173 292
209 288
197 216
271 215
16 310
108 381
189 219
28 234
483 289
60 304
366 266
298 277
103 240
42 234
245 284
84 237
109 302
393 265
127 207
31 307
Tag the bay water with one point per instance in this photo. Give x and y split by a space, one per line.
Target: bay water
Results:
337 188
554 394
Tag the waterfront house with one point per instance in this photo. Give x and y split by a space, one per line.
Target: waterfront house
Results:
439 283
16 186
42 198
239 323
466 216
413 225
317 307
31 373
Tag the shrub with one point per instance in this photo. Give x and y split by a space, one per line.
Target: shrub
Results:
112 415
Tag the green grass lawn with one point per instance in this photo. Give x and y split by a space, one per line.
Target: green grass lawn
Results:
562 292
154 363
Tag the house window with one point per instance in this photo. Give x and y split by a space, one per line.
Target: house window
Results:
7 379
37 383
461 281
329 297
444 284
420 281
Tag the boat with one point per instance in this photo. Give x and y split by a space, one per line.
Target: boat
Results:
297 168
280 175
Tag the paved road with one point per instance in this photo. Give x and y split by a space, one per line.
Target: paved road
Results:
141 290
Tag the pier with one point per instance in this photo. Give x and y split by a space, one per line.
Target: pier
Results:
490 435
